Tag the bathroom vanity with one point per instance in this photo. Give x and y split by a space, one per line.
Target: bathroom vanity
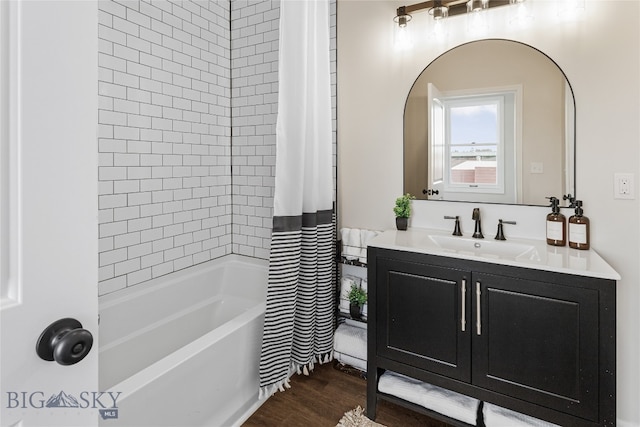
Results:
518 324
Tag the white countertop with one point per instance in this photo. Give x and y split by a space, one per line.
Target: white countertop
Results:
535 254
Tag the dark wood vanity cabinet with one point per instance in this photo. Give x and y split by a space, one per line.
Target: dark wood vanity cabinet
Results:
537 342
416 296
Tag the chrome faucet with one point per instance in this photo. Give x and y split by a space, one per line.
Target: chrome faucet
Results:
477 233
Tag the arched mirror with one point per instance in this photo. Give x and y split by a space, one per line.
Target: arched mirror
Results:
490 121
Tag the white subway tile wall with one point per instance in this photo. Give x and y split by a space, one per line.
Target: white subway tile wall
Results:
164 137
186 139
254 100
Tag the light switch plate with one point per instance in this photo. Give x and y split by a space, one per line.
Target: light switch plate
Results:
537 167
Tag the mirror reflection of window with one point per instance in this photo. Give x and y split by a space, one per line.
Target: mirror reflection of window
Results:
478 143
474 140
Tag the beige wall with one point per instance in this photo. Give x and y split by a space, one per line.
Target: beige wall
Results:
600 55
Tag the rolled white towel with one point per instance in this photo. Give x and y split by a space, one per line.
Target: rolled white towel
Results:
350 360
497 416
351 340
443 401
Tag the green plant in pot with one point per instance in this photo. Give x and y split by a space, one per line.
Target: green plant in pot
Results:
357 298
403 211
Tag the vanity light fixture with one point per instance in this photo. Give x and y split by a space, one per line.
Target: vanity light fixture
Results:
402 35
439 13
477 5
440 9
477 23
402 17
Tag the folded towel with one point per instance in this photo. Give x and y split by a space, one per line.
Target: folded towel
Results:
351 340
496 416
344 306
354 243
363 256
345 234
351 252
366 236
353 238
443 401
350 360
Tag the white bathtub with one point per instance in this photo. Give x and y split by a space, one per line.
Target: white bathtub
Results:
184 349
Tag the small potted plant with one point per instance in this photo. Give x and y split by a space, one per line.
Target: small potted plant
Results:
403 211
357 298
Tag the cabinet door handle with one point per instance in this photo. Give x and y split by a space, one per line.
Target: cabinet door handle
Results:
478 326
463 321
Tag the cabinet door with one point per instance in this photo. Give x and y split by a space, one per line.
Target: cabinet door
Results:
423 317
537 342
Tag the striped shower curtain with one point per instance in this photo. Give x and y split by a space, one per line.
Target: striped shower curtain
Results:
299 318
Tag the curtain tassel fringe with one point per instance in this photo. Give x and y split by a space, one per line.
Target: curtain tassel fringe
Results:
269 390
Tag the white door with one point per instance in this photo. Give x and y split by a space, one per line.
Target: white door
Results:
48 215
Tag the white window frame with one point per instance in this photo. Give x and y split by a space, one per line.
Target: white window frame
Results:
474 100
513 154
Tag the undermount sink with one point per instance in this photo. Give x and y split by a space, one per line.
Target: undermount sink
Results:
485 248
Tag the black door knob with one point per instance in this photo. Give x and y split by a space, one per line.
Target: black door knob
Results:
65 342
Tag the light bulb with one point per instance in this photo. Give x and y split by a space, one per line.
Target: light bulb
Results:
477 5
477 24
402 38
519 15
440 30
439 14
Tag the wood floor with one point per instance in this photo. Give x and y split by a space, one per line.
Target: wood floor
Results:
321 399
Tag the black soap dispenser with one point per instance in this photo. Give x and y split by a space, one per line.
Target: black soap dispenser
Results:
579 229
556 225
